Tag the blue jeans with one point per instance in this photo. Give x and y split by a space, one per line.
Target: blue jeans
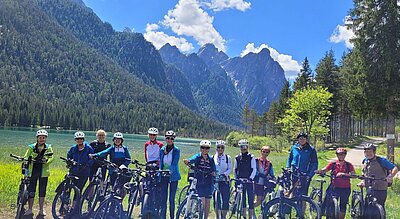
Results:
173 186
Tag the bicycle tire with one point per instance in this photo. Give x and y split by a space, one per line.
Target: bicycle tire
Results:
109 208
217 198
314 195
239 211
195 204
273 209
183 193
64 211
311 210
232 206
381 211
356 207
148 210
21 201
85 212
335 208
132 200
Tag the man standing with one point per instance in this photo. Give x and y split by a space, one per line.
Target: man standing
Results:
304 161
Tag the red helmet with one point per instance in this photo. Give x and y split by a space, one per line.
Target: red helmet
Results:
341 151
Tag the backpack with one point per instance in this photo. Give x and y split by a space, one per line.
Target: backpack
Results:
226 158
379 159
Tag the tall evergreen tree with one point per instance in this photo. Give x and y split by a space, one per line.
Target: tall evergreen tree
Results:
376 24
305 77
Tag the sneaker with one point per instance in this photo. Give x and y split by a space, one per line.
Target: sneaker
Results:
28 212
42 213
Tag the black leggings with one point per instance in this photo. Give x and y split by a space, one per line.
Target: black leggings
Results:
42 186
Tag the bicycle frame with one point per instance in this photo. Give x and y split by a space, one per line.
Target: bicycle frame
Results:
192 193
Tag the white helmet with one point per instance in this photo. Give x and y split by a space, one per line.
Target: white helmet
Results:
243 142
170 133
153 131
118 135
42 132
206 143
79 134
220 142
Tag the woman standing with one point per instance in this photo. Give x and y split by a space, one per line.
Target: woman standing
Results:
204 172
39 171
169 158
223 163
265 171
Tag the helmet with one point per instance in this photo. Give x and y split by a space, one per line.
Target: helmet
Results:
302 134
153 131
341 151
42 132
118 135
123 167
220 142
369 146
79 135
206 143
243 142
170 133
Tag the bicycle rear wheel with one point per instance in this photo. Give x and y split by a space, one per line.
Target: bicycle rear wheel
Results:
308 208
332 208
277 208
21 201
109 208
89 200
194 209
356 208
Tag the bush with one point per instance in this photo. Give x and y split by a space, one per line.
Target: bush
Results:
256 142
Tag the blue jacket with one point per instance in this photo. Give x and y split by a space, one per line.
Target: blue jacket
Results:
305 159
82 158
111 151
173 169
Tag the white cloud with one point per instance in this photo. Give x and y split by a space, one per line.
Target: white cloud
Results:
219 5
289 65
342 34
189 19
159 39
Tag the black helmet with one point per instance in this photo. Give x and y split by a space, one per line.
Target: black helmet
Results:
370 146
302 134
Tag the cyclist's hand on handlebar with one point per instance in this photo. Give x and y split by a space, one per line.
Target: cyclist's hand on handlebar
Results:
340 174
91 156
186 161
389 178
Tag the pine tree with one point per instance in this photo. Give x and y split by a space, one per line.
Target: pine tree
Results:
305 77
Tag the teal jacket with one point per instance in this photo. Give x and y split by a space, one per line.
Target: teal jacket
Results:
173 169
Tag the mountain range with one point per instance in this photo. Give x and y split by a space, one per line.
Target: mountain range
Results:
63 66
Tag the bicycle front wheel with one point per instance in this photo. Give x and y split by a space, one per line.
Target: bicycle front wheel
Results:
308 208
109 208
183 193
89 200
356 208
193 210
332 208
63 203
277 208
21 201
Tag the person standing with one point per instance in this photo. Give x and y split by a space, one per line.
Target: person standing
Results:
223 163
340 185
204 172
152 146
39 171
245 168
98 145
380 168
169 158
304 161
265 172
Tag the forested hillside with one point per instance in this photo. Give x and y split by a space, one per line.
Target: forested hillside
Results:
50 77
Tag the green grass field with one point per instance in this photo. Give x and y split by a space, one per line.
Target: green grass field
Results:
10 172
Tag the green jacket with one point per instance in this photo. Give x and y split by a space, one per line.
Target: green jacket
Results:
31 152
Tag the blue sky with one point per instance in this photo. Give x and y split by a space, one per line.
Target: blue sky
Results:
291 29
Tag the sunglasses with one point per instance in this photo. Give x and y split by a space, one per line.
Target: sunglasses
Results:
169 138
340 153
265 152
79 139
220 147
152 134
202 147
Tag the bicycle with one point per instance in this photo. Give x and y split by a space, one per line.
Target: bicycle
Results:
285 205
236 208
95 192
23 186
185 190
366 207
191 206
63 205
331 205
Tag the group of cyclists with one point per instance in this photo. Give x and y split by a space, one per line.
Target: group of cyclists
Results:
257 171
